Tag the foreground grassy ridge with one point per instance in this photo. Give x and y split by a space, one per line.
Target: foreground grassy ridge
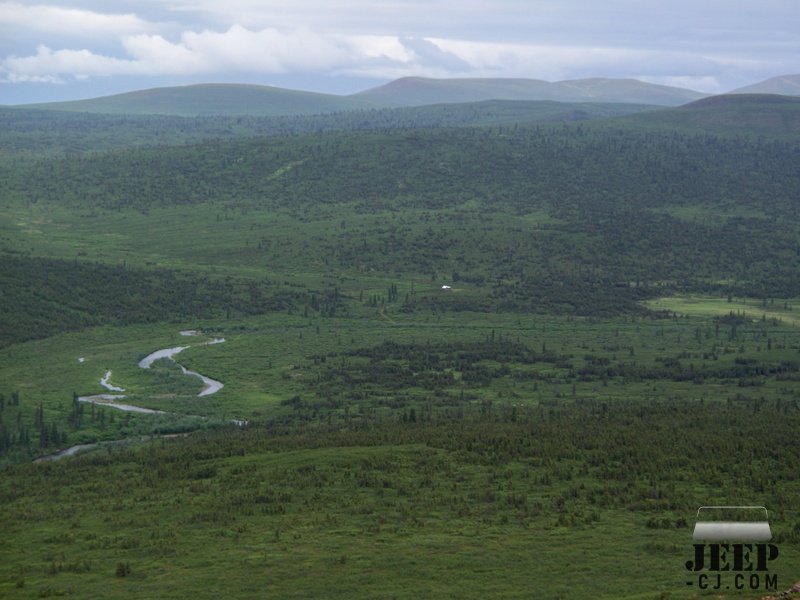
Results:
549 505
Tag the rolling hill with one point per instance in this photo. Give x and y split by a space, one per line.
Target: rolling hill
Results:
214 99
267 101
411 91
730 114
787 85
255 100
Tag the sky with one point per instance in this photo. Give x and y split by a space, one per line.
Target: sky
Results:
71 49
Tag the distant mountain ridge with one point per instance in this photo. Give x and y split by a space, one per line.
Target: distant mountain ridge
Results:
257 100
418 91
786 85
213 99
260 100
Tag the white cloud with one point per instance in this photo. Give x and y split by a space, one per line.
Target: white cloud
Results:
242 50
427 52
69 21
21 78
380 47
272 51
49 65
268 50
157 56
351 17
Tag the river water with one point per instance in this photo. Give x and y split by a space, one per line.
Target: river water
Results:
210 386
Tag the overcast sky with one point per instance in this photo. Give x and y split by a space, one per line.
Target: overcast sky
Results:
71 49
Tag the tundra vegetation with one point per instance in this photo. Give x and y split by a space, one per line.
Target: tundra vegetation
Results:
619 346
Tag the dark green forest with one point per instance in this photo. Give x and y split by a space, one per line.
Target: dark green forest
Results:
46 296
566 169
32 132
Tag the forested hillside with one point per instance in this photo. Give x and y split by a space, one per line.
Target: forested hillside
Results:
36 132
563 169
577 219
755 115
42 297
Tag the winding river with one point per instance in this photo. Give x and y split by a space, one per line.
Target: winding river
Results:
112 400
65 453
210 386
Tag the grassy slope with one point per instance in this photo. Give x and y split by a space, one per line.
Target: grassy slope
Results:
753 310
404 512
